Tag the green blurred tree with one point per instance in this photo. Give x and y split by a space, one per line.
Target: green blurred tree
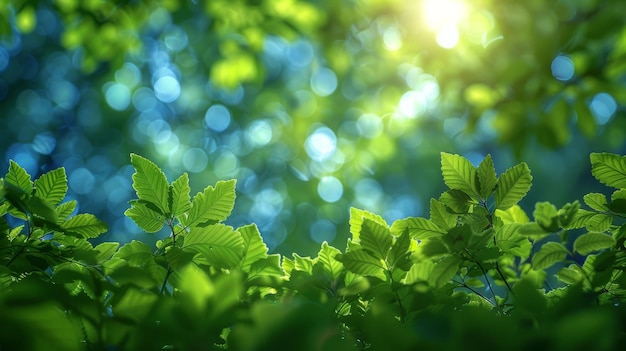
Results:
315 105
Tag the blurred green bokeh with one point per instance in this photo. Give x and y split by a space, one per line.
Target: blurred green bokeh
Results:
313 106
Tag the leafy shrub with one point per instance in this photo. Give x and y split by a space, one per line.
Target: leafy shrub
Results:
477 274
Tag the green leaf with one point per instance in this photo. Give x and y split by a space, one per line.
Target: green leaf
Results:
570 275
177 258
456 200
547 216
599 223
549 254
218 243
213 204
18 178
136 253
326 261
419 228
433 247
590 242
421 271
459 173
400 255
302 264
440 216
609 169
513 185
179 195
42 209
356 221
444 271
581 219
514 214
568 213
64 210
254 248
360 262
84 225
105 250
596 201
487 178
375 238
133 275
150 183
147 219
52 186
268 266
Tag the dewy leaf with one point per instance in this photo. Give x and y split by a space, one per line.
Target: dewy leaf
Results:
487 178
376 238
214 204
218 243
360 262
590 242
419 228
254 248
444 271
356 221
549 254
440 216
150 183
179 195
18 178
459 173
85 225
146 218
609 169
513 185
596 201
327 262
52 186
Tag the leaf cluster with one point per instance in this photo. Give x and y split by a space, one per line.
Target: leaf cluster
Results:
479 272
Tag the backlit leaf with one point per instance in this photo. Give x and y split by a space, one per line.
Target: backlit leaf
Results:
609 169
146 218
356 221
18 178
327 262
52 186
440 216
400 255
513 185
85 225
596 201
513 214
456 200
419 228
444 271
220 244
253 246
599 223
268 266
487 178
421 271
150 183
177 258
570 275
360 262
213 204
459 173
590 242
303 264
581 219
179 195
549 254
375 238
64 210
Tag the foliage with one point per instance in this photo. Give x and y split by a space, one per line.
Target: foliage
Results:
291 94
478 273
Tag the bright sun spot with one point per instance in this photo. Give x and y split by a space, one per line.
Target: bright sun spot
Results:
443 17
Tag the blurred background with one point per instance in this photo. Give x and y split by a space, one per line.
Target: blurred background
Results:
313 106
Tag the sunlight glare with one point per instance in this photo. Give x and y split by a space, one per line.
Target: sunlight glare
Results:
443 17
